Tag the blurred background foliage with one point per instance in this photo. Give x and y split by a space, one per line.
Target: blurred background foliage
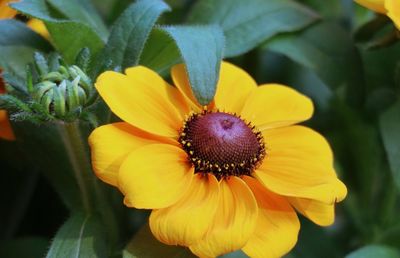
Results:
345 57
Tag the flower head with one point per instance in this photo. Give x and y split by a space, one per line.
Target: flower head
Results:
219 178
391 8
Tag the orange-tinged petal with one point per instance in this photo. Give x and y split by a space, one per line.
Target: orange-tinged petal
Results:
111 144
187 221
141 101
393 11
277 224
155 176
6 131
274 105
320 213
299 164
233 88
5 11
375 5
181 81
234 220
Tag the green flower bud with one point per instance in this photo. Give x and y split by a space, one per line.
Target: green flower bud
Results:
63 92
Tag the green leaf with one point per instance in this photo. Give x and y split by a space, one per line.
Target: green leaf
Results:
17 46
81 11
130 32
247 24
328 50
373 251
16 33
81 236
160 52
144 245
390 128
26 247
69 37
201 49
13 59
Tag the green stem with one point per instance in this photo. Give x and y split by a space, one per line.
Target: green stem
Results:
71 137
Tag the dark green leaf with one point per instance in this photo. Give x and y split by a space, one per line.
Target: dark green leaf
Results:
69 37
374 251
246 24
201 49
160 52
81 11
237 254
130 32
390 128
16 33
26 247
17 46
14 59
144 245
328 50
81 236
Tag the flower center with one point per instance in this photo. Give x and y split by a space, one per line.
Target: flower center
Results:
222 144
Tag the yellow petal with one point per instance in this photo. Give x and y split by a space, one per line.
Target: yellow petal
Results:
5 11
233 88
6 131
187 221
274 105
145 76
141 100
234 220
277 224
155 176
320 213
393 11
374 5
39 27
111 144
181 80
299 164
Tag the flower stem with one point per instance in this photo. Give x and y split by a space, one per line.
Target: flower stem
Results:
72 139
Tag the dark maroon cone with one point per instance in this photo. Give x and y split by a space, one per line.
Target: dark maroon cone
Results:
222 143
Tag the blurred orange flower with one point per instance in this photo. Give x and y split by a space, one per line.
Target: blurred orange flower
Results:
5 127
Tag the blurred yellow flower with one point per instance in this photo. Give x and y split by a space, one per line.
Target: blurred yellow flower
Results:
36 25
5 11
219 178
389 7
39 27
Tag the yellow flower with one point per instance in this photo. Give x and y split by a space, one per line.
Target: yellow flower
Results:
391 8
220 178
